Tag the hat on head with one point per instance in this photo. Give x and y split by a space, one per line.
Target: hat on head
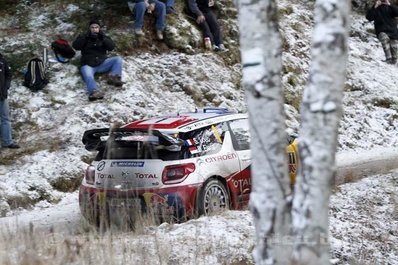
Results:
94 21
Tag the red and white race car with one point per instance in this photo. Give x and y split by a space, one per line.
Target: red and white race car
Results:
177 166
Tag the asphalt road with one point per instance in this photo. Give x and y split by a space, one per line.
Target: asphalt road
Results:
355 165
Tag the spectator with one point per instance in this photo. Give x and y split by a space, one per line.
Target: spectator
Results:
170 6
94 46
138 8
383 14
5 81
204 14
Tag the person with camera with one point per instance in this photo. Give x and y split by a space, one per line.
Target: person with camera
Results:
94 46
383 15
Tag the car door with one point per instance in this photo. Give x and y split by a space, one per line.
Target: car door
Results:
241 183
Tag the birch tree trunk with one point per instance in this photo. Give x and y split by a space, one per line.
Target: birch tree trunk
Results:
321 110
270 200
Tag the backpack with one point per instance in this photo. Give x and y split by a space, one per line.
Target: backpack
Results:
35 76
62 50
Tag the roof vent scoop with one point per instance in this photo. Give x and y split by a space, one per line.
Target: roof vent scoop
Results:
213 110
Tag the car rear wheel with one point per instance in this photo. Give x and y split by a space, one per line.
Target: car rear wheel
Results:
213 198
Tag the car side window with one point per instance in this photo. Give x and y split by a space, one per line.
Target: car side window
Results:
206 141
241 133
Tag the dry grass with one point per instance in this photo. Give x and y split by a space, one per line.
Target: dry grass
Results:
148 243
35 247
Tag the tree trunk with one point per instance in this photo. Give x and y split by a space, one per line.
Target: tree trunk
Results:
270 200
320 113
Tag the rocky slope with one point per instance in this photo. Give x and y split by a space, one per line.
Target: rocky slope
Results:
162 77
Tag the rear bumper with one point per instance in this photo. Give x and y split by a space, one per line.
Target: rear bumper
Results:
177 202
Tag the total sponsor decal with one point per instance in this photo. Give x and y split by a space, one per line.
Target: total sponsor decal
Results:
145 176
242 184
127 164
104 176
219 158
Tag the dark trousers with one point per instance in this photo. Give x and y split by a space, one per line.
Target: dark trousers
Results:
210 27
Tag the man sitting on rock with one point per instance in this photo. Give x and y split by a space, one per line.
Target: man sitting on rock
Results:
94 45
203 13
158 8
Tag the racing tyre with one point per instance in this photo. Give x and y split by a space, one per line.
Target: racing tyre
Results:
213 198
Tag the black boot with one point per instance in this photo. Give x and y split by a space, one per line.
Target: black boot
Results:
115 80
95 95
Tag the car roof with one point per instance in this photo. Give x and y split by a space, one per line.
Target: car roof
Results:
185 121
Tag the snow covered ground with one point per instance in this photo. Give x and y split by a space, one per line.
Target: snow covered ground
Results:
363 228
49 125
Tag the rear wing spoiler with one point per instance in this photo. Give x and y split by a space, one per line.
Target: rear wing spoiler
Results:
96 139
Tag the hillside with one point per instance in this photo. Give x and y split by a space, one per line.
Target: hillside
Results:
164 77
49 124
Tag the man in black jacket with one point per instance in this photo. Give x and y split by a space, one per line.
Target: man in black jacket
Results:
203 12
383 14
94 46
5 81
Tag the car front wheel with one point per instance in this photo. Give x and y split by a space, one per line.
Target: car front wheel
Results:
213 198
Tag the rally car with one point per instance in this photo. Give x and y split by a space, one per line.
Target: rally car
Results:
179 166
